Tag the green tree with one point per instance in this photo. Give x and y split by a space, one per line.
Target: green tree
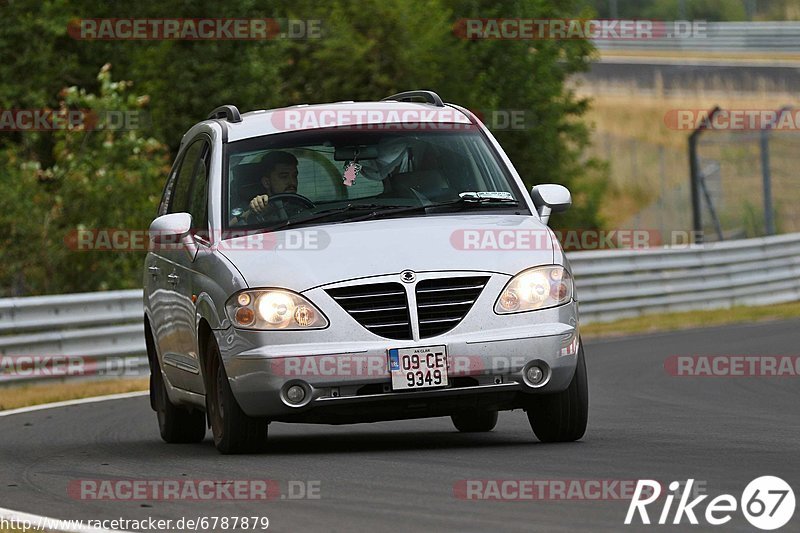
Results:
54 183
102 177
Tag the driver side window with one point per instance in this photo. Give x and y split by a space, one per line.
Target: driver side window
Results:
179 197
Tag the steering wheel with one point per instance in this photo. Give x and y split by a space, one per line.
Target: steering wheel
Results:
286 198
293 197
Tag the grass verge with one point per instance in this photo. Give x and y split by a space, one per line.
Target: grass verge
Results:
24 395
691 319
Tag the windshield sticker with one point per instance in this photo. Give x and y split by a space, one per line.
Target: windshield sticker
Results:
493 195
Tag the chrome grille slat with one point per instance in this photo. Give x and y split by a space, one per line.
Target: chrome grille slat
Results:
444 302
395 324
467 302
376 295
438 320
381 308
445 289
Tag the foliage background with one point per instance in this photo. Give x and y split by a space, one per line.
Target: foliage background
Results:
55 182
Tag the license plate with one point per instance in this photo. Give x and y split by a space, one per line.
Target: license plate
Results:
418 368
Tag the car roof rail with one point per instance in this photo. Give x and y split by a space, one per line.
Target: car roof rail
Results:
227 112
430 97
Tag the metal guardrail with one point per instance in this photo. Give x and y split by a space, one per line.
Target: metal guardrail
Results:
88 334
616 284
721 37
103 327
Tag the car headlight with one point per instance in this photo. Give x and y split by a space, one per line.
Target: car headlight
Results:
535 288
274 309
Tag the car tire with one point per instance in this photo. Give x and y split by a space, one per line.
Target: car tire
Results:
177 425
234 431
481 421
562 417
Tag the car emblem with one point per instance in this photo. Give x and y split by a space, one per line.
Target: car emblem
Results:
408 276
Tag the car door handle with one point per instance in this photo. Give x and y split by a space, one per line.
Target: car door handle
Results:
154 270
173 279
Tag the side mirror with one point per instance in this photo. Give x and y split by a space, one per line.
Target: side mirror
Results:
550 198
172 232
170 228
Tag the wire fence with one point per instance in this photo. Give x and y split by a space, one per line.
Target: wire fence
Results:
736 168
749 183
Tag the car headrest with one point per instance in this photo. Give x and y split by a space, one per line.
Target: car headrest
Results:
247 181
421 179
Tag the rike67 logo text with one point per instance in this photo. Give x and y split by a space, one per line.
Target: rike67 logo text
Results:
767 503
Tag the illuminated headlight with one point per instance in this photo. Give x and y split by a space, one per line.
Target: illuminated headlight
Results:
536 288
274 309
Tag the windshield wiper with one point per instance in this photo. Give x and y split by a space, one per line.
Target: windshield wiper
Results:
381 210
462 203
469 200
321 215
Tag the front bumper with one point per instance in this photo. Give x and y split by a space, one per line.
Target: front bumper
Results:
346 376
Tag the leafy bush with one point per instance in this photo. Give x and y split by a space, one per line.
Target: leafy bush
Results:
100 178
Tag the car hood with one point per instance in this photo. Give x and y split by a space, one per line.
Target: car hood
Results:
304 258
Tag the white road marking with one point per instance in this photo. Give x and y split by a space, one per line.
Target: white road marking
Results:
67 403
35 521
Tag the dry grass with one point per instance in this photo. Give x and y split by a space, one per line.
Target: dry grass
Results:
692 319
35 394
642 118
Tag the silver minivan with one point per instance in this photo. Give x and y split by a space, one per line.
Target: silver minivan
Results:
357 262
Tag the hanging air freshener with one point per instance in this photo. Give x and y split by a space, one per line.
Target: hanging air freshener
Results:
351 171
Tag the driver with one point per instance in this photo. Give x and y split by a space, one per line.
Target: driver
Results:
280 177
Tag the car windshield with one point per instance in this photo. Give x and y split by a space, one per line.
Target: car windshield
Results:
341 175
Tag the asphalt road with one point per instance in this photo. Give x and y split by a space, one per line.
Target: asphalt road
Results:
400 476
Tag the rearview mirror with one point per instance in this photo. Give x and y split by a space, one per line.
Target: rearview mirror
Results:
550 198
349 153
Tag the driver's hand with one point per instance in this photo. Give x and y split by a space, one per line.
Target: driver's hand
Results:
259 203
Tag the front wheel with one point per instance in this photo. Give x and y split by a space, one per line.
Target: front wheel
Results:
234 431
176 424
562 417
475 422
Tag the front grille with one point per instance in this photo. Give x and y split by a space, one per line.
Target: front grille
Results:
443 303
381 308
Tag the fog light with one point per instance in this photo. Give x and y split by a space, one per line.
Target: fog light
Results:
295 394
534 375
